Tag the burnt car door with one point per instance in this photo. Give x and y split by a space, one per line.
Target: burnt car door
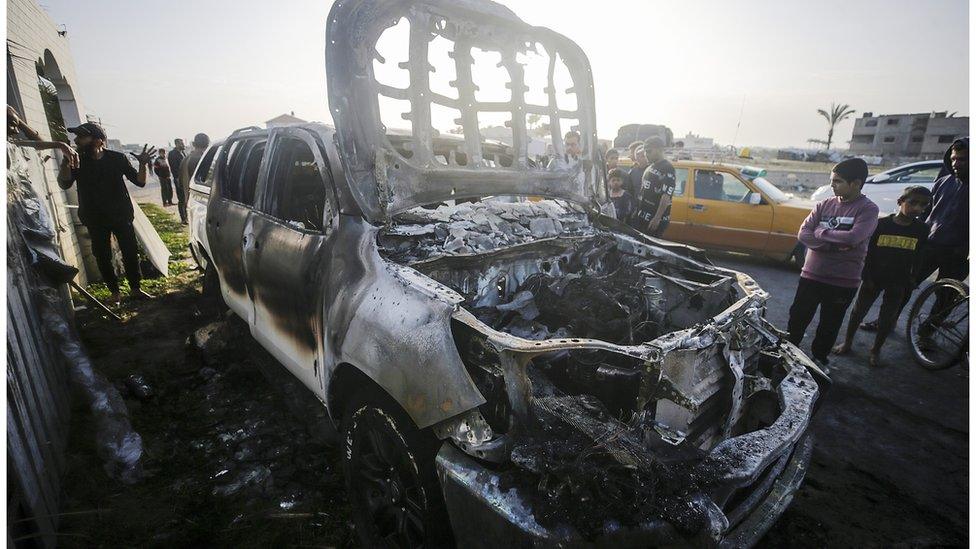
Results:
236 183
287 258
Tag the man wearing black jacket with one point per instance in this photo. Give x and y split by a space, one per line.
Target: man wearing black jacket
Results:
175 159
104 205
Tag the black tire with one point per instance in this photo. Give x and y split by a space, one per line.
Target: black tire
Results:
936 356
391 481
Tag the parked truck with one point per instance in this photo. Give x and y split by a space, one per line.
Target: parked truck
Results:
501 370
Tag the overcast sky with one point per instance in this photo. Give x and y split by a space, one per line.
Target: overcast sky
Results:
154 71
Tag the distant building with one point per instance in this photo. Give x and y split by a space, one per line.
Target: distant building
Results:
629 133
284 120
923 135
692 141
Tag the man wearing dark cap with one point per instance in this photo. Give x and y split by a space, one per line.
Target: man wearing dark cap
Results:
175 160
653 212
836 234
200 143
103 202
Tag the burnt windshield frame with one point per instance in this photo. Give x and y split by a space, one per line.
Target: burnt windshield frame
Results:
283 149
203 175
383 180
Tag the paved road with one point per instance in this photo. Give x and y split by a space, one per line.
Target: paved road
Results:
891 458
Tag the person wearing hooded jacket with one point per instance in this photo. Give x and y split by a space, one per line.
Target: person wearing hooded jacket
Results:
947 250
949 219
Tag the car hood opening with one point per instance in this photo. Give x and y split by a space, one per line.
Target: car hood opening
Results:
616 373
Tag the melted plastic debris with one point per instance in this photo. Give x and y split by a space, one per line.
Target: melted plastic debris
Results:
592 296
475 227
594 471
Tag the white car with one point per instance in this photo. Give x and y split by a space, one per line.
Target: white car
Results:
885 188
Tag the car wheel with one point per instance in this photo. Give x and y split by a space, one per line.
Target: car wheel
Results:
390 477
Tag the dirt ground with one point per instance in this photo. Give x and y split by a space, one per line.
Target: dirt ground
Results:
227 464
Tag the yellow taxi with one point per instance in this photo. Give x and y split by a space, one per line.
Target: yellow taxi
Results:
734 208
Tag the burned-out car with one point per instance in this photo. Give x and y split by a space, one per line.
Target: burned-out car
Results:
505 363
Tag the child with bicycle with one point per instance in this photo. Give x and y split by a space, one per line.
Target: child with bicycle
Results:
894 257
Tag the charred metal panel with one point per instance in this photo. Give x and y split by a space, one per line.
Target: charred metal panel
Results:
287 268
394 324
225 226
386 179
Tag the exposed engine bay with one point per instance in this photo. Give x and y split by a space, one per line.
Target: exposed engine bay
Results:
655 369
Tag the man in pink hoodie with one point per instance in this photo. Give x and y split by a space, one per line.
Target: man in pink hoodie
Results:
836 235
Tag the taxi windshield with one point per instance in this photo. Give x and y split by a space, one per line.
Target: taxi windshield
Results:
770 190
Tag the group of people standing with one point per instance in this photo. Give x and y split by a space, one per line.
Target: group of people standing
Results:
642 196
851 252
175 169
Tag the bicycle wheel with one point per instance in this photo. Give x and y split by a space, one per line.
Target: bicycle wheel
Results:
938 324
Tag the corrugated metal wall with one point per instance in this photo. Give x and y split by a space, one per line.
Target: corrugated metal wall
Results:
38 404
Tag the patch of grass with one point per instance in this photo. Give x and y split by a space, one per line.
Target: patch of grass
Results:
182 272
174 234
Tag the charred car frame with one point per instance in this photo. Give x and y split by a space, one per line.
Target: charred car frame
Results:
499 355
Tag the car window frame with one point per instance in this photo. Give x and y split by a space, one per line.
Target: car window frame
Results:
230 151
684 187
207 182
746 184
330 212
910 172
261 171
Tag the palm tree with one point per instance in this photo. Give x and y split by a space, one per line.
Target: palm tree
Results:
836 115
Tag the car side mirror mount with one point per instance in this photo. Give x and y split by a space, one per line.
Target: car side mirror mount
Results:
755 198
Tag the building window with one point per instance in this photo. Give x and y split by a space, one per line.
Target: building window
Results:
917 139
889 139
864 139
947 138
871 123
892 121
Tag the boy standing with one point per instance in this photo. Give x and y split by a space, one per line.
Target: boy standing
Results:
836 234
894 257
623 203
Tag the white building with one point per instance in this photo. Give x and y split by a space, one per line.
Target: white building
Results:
35 46
692 141
284 120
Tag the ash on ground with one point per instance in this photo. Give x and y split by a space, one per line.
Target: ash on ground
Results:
227 461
